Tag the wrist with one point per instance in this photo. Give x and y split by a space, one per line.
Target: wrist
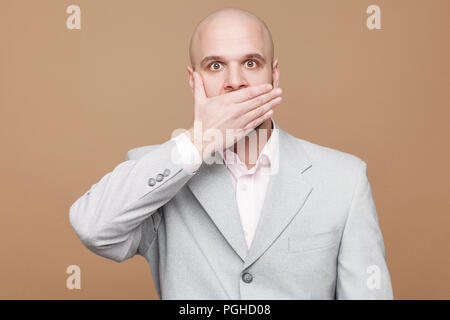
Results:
205 148
196 141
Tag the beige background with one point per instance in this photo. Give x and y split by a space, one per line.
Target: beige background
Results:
73 103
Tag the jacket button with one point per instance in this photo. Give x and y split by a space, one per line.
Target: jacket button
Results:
247 277
151 182
159 177
166 172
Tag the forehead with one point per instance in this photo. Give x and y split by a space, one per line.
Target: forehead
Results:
231 40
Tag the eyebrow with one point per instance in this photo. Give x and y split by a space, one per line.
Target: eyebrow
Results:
247 56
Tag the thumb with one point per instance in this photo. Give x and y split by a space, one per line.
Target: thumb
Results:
199 90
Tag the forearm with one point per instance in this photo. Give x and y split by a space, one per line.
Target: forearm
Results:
108 217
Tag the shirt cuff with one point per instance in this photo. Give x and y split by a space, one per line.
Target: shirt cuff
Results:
189 155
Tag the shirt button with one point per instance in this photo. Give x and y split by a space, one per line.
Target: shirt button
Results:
151 182
159 177
166 172
247 277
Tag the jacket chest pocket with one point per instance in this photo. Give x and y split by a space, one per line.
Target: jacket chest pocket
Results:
313 241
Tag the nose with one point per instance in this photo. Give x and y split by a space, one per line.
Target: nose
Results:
235 79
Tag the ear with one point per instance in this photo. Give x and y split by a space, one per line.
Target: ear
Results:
275 74
191 78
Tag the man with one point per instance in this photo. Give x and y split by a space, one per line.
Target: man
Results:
298 223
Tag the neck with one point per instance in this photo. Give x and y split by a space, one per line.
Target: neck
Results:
261 132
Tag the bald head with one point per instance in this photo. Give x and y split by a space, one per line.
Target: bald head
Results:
221 22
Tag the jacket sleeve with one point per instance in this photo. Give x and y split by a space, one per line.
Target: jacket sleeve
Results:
362 270
110 218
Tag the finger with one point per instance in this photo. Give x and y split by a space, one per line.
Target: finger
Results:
248 93
251 119
199 89
252 125
260 100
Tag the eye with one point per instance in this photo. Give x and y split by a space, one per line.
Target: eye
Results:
251 64
215 66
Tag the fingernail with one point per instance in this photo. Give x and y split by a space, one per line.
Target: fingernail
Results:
269 86
278 91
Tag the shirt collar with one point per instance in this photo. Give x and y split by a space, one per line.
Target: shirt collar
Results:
267 158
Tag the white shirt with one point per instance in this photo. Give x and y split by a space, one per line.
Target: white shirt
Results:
250 185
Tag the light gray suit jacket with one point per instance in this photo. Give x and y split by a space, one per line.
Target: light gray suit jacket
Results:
318 236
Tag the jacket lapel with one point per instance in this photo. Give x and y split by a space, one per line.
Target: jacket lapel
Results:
213 188
286 194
